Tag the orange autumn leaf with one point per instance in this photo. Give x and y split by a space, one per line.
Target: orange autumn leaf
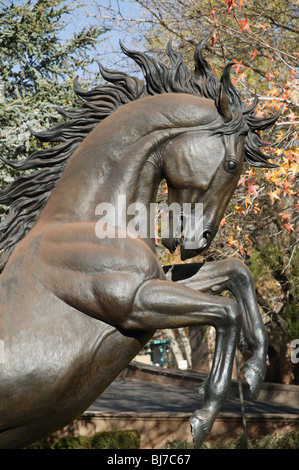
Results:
247 201
294 169
273 195
252 188
280 136
238 65
231 4
283 171
256 209
273 92
269 76
242 180
253 54
214 38
285 187
291 157
284 216
289 227
245 25
165 189
242 252
250 173
231 242
241 77
279 152
238 210
259 113
291 115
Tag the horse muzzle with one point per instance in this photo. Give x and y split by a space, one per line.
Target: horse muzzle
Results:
190 248
171 243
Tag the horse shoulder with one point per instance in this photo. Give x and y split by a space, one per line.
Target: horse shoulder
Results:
96 276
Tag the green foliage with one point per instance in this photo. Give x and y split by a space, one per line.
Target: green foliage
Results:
116 440
37 69
268 263
129 439
258 267
292 316
31 49
39 445
271 255
178 444
285 440
73 442
288 440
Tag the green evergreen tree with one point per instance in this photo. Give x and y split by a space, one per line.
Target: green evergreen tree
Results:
37 69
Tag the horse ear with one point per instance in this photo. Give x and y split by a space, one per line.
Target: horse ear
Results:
222 105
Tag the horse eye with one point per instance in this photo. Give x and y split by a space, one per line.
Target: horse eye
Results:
232 165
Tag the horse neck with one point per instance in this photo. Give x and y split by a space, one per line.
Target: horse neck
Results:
116 158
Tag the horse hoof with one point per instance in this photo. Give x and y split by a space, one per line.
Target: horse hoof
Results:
254 378
199 429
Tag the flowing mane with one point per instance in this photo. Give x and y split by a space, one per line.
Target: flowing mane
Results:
29 193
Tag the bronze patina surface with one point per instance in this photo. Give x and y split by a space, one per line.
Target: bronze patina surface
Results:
79 300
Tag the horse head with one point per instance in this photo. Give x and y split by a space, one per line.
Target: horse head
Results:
202 169
211 133
202 166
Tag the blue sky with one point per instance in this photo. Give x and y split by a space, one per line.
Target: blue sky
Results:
107 51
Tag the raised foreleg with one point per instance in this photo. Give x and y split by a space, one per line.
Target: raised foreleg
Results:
165 304
234 276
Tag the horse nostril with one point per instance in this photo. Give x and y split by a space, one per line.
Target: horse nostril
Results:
207 235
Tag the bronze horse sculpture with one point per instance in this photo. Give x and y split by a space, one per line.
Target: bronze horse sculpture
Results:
77 305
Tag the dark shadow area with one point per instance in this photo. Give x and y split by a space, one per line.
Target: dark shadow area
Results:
140 396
